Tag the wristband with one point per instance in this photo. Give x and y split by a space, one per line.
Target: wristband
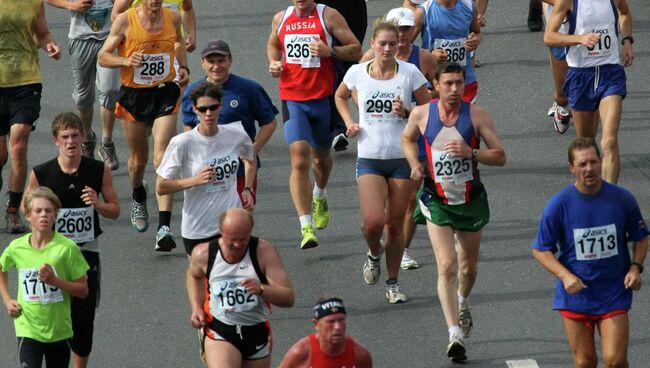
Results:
638 265
249 189
186 69
627 38
261 290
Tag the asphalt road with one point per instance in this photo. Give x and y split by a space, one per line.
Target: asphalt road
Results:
143 320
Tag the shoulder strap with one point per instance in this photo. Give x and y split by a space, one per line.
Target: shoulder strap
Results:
252 249
213 250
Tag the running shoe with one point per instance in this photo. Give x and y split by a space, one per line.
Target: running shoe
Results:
408 263
372 269
309 239
107 152
535 17
165 240
139 216
456 349
321 213
561 119
88 148
393 295
15 224
552 109
340 143
465 320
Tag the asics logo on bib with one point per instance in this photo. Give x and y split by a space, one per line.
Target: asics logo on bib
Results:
146 57
457 43
229 285
601 31
383 95
299 25
592 232
68 213
301 39
220 161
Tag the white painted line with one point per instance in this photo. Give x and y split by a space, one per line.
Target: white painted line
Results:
526 363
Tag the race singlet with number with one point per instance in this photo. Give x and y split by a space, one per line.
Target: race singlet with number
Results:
232 297
379 107
225 169
154 68
450 169
456 51
296 47
595 242
35 290
604 45
76 224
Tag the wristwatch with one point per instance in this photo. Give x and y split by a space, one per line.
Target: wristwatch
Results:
627 38
333 53
639 265
249 189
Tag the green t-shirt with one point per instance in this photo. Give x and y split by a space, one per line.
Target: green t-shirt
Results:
18 51
45 315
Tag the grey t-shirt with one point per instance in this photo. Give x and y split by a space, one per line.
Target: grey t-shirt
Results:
94 23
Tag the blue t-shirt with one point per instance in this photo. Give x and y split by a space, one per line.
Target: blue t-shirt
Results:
243 100
590 234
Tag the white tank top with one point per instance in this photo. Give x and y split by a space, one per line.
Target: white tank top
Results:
598 16
380 130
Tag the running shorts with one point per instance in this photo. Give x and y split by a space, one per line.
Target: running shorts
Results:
31 353
147 104
558 53
190 244
253 342
590 319
19 105
308 121
585 87
397 168
471 216
470 92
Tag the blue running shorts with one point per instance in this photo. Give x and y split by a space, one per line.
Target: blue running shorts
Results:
308 121
585 87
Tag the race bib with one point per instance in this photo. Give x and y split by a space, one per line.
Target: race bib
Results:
76 224
605 43
450 169
456 51
154 68
595 242
379 107
225 171
35 290
296 47
231 297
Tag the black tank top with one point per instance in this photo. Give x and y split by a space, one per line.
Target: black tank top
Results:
68 187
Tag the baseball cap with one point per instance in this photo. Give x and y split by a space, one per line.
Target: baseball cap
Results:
403 16
417 2
216 47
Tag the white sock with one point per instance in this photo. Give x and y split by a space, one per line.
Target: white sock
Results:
318 192
305 220
454 331
462 301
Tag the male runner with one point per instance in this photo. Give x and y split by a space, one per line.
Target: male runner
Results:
90 23
79 181
244 100
453 199
301 53
596 77
590 224
329 347
559 111
232 282
148 39
24 30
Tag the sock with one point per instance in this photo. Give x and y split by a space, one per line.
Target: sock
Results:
107 140
139 194
462 301
164 218
14 199
90 137
305 220
318 192
454 331
392 282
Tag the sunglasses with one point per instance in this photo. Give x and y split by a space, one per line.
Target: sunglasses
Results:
203 109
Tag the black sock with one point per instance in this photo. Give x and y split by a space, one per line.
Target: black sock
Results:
164 218
139 194
14 199
391 281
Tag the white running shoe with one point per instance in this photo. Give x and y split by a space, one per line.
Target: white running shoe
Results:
465 320
456 349
393 295
408 263
372 269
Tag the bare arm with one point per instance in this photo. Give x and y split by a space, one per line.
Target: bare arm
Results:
368 55
572 284
119 7
250 172
475 36
428 65
639 252
419 23
13 308
77 288
169 186
279 290
274 48
554 38
179 53
350 48
44 38
106 56
110 206
625 23
341 98
263 136
493 154
189 24
362 358
74 5
31 184
410 140
195 279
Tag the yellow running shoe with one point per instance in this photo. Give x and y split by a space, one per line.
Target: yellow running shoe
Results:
321 213
309 239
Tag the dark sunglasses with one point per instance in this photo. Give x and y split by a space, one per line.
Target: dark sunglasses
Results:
203 109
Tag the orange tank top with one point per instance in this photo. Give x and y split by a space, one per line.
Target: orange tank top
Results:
158 48
319 359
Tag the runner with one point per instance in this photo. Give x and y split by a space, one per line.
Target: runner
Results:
244 100
21 24
590 223
301 37
418 13
50 269
384 88
596 78
560 110
203 164
329 347
451 31
147 39
78 182
242 276
453 199
90 24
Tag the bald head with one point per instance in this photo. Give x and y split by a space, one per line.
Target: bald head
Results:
237 218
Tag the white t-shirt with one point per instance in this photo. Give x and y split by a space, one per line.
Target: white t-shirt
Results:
380 130
186 154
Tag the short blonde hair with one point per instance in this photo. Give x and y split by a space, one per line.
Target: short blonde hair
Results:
41 192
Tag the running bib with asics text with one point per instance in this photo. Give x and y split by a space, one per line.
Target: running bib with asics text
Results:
595 242
76 224
35 290
232 297
225 170
379 107
296 47
154 68
450 169
456 51
604 45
